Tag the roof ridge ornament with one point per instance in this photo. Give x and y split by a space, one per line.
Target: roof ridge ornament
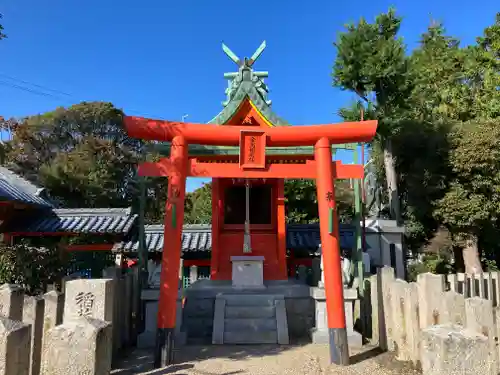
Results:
246 61
245 74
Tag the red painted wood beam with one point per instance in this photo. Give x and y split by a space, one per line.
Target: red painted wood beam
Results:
223 135
230 170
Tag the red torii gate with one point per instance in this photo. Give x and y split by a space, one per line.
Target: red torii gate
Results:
252 164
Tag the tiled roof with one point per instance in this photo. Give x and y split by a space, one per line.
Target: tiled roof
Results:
194 238
15 188
79 220
199 238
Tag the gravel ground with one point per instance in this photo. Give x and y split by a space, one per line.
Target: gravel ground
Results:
263 360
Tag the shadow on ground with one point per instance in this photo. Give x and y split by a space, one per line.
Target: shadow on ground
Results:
188 357
141 360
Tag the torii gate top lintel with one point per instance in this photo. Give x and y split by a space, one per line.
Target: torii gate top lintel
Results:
308 135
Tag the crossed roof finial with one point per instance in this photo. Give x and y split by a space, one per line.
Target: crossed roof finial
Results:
245 62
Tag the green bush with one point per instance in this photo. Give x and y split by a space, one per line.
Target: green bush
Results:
33 268
433 263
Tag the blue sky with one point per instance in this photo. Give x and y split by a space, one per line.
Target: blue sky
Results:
163 59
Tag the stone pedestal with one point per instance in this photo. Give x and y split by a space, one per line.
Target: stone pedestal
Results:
320 332
78 346
248 271
146 339
448 349
15 343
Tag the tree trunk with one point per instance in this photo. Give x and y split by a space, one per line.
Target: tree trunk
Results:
471 255
391 178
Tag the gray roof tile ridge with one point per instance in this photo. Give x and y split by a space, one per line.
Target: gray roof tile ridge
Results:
93 211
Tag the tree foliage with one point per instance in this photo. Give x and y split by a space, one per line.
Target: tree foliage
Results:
31 267
83 157
198 206
2 35
418 97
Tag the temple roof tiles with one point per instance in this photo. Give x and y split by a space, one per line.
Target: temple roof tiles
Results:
17 189
198 238
86 220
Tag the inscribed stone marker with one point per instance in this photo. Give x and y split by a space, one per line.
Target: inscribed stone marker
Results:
15 342
11 301
78 346
91 298
33 314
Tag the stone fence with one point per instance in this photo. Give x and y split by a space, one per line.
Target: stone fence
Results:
443 324
76 332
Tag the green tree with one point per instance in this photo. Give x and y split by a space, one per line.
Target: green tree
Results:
471 206
32 267
301 203
84 158
198 206
2 35
371 63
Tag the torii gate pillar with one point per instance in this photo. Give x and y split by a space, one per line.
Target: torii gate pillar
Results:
329 232
171 257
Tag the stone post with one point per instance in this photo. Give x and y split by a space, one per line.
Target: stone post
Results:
136 305
479 318
303 273
115 273
397 290
54 308
412 327
371 289
448 349
453 308
15 343
78 346
11 301
33 314
385 277
193 274
316 271
126 310
430 296
92 298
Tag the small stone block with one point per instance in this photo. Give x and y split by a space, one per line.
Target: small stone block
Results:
453 350
219 317
281 322
15 344
54 308
79 346
11 301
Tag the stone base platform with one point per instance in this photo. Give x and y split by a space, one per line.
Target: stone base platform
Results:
303 306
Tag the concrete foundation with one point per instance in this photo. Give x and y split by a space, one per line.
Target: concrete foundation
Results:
303 306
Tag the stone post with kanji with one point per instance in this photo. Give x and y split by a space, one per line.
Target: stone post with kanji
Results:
92 298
